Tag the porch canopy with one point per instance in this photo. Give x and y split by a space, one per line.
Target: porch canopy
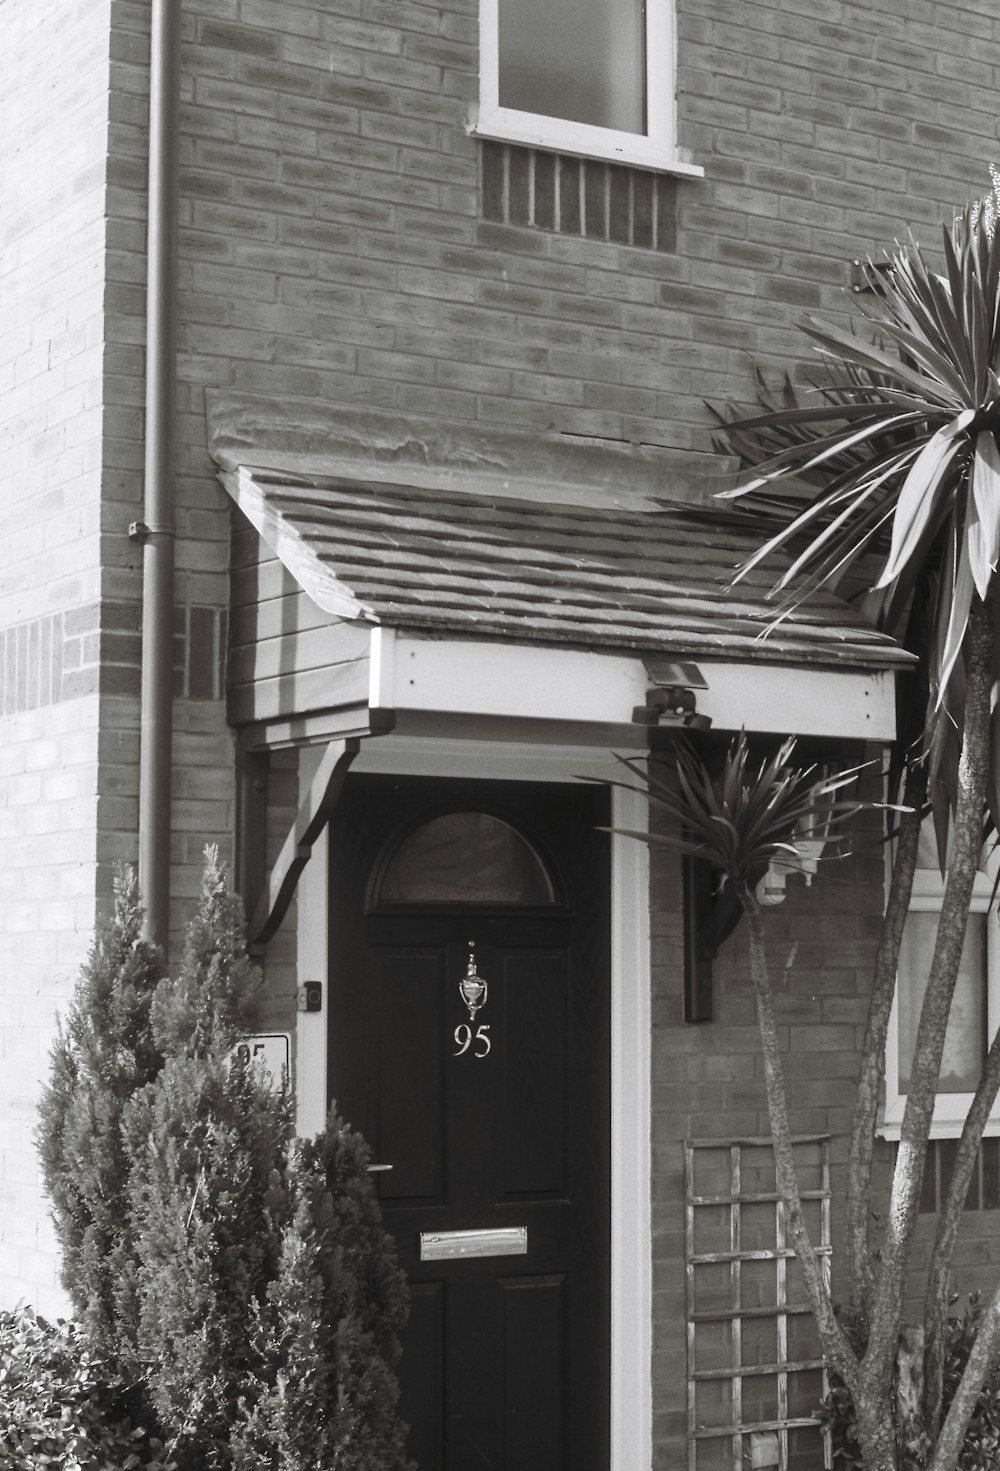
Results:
443 582
375 592
440 610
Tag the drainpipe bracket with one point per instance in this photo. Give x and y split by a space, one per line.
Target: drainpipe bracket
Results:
141 531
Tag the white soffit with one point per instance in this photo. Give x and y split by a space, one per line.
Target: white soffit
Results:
575 688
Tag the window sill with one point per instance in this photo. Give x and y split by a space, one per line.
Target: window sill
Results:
940 1129
505 126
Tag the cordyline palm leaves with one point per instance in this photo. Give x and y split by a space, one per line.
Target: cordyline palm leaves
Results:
895 468
750 815
900 443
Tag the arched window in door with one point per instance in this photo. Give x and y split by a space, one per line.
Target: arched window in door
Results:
465 858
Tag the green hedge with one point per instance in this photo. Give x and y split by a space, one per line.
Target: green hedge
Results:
62 1406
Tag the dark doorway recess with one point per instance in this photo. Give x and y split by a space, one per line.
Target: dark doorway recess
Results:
494 1119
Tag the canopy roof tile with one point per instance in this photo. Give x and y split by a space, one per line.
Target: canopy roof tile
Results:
498 567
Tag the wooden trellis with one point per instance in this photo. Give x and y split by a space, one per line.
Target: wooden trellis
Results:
719 1303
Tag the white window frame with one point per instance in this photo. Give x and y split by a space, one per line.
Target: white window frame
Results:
655 149
951 1108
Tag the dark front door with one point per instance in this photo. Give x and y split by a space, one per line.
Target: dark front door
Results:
492 1109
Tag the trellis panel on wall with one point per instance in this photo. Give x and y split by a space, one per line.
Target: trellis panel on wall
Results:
755 1374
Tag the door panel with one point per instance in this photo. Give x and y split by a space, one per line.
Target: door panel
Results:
534 1105
410 1066
422 1385
506 1358
535 1371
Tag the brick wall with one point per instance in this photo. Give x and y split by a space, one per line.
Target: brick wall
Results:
53 100
708 1079
48 817
71 364
336 245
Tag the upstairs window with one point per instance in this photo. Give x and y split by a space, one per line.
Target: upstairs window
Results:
590 77
975 1011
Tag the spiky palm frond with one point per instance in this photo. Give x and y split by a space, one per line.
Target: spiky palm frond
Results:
747 816
897 455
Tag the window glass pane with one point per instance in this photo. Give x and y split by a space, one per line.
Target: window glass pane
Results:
927 852
965 1039
584 60
465 858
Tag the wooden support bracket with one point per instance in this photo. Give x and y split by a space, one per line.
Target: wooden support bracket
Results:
321 799
252 771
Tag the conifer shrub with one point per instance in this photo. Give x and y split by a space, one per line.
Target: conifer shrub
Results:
208 1149
327 1334
104 1052
265 1302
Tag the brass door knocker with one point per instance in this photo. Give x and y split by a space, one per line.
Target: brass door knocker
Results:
473 989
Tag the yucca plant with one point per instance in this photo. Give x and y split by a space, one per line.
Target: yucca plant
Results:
894 474
742 821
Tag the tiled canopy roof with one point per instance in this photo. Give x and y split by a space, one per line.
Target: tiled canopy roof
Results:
503 568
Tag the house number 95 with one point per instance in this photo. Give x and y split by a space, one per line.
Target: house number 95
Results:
478 1040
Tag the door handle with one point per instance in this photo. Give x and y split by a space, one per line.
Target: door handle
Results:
378 1169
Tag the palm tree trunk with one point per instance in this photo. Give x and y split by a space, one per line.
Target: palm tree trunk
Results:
939 1272
836 1347
875 1431
963 864
984 1351
872 1071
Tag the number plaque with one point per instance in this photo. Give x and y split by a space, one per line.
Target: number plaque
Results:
269 1055
479 1040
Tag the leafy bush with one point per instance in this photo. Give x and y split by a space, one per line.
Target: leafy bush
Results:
62 1405
981 1449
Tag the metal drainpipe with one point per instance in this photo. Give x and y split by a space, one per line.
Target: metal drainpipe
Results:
158 531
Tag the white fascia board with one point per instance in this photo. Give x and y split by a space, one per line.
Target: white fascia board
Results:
579 688
806 702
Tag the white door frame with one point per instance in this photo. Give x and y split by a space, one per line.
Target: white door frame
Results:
631 1239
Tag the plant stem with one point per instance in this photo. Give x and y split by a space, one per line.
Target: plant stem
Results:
836 1347
984 1351
948 1224
872 1071
921 1097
